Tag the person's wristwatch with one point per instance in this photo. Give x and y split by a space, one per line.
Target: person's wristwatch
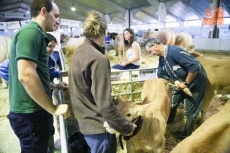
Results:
186 83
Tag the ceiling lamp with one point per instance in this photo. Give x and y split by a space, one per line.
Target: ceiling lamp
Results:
73 8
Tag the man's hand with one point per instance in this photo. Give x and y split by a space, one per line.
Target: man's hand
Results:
61 109
64 73
180 85
62 85
109 129
123 63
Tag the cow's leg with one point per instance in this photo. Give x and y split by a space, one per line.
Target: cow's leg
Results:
159 146
209 94
4 84
130 147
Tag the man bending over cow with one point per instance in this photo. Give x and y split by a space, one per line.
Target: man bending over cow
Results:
177 64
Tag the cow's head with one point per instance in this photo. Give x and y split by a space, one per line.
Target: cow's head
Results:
72 45
128 109
183 40
191 48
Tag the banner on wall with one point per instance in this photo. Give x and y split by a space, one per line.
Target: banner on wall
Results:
25 22
115 28
2 25
64 22
74 24
13 25
214 16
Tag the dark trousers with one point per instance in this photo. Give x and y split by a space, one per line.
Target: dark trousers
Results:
192 104
127 67
33 130
101 143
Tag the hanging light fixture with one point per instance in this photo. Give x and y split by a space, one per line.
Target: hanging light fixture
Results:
73 8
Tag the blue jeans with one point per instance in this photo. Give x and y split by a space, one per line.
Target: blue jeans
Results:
127 67
101 143
33 130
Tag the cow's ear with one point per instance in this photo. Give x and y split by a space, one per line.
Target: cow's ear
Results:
118 100
191 48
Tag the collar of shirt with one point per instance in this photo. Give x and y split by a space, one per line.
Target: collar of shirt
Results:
166 51
96 46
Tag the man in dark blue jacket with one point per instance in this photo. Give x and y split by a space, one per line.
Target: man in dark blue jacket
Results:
178 65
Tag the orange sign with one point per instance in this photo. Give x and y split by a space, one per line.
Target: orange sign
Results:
214 16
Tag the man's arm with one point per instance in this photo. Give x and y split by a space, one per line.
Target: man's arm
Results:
29 78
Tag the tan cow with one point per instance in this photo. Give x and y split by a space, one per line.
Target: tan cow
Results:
166 37
119 46
71 45
154 111
213 136
217 70
4 54
184 40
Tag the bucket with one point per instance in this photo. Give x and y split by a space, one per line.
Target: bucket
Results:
77 143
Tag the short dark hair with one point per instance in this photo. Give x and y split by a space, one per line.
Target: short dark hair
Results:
152 41
51 37
37 5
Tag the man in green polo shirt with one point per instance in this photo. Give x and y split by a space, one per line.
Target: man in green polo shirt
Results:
31 106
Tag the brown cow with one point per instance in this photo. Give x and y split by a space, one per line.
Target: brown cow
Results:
154 111
213 136
217 70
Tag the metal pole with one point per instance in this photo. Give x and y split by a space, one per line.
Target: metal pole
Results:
64 148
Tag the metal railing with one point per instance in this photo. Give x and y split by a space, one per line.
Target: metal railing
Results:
62 124
140 75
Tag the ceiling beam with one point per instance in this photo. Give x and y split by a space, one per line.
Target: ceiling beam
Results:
136 10
141 20
226 8
170 4
80 5
8 2
192 10
118 7
8 15
14 6
174 16
153 2
73 15
112 15
150 15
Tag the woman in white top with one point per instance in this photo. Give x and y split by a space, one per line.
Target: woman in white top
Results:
133 52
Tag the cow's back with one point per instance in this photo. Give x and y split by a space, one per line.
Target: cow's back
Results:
217 70
156 92
213 135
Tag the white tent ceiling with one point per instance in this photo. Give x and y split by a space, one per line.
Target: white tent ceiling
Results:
142 10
